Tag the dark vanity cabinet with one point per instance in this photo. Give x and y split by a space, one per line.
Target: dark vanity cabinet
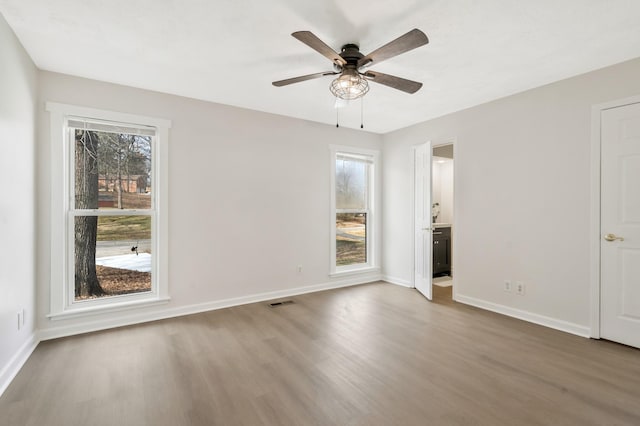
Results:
441 251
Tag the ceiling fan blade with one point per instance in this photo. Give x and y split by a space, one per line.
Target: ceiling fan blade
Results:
302 78
409 41
403 84
310 39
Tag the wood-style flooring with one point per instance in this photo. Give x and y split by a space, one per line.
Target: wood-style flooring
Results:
375 354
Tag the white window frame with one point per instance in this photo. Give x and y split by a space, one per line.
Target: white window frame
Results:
62 299
372 215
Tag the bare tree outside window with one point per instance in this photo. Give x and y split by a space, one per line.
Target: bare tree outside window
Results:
352 185
112 250
86 227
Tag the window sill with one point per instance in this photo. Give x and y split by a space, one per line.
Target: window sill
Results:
107 308
355 271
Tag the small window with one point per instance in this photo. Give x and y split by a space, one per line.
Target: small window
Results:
352 210
112 236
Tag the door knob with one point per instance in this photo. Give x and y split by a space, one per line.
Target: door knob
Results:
612 237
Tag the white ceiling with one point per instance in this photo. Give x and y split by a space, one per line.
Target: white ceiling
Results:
229 51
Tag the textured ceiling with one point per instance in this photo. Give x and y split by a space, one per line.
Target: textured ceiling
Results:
229 51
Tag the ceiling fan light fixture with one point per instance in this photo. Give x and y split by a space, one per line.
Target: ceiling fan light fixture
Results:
350 85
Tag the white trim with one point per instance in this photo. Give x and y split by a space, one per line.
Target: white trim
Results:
617 103
114 212
108 308
100 114
359 270
545 321
354 150
161 259
332 210
59 193
594 226
141 317
14 365
397 281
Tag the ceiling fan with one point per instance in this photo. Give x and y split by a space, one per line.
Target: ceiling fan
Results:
351 65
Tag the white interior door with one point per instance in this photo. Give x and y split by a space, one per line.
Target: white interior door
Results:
422 221
620 225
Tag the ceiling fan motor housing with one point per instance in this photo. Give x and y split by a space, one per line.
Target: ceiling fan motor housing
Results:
351 54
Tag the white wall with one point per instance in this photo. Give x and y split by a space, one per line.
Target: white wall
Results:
446 191
442 188
249 196
18 87
436 187
522 188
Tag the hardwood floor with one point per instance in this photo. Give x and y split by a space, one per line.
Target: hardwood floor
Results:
443 295
375 354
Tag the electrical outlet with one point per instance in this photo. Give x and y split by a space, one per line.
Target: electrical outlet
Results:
520 288
507 286
299 269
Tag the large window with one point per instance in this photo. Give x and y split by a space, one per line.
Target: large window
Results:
353 172
113 208
110 190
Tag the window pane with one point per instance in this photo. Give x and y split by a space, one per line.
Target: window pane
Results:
351 238
112 255
352 178
112 170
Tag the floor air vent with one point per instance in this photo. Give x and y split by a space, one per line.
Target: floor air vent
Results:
281 303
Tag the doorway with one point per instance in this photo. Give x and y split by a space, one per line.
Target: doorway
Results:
433 221
616 230
442 187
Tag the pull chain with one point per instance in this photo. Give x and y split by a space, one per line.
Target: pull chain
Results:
362 113
337 117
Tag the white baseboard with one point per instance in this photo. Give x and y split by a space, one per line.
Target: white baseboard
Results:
397 281
10 371
568 327
140 317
